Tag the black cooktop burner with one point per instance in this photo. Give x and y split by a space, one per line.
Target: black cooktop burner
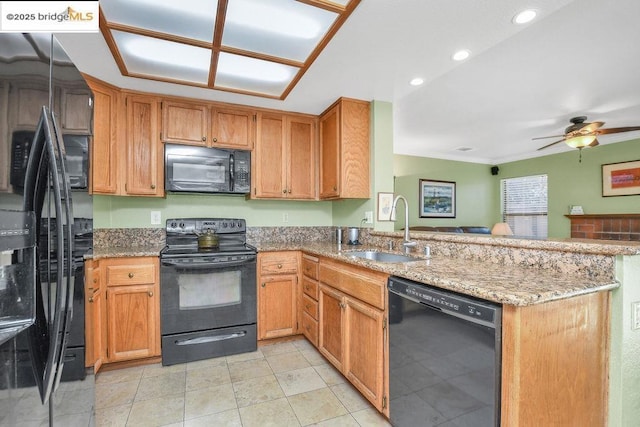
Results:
182 237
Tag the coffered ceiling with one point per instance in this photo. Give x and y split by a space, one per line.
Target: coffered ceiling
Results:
576 58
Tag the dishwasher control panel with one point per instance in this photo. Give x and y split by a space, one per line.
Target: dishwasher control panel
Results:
457 305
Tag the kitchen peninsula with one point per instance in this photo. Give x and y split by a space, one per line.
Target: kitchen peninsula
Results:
556 295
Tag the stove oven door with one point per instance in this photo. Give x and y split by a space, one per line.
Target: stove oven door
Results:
202 293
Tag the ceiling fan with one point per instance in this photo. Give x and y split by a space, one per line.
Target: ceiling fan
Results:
582 134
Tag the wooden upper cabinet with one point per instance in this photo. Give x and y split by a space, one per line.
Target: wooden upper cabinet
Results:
103 154
144 157
75 106
285 157
344 150
232 128
269 157
28 100
301 145
185 123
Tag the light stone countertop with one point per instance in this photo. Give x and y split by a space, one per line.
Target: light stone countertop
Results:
505 284
125 251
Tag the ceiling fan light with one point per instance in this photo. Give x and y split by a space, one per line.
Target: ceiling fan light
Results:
581 141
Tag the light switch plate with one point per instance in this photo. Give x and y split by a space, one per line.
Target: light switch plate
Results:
635 315
156 218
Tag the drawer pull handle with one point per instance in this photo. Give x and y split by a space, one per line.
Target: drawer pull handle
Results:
90 299
153 186
264 284
204 138
215 139
150 293
279 265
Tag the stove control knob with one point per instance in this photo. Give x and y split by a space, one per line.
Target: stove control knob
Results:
182 225
173 224
224 225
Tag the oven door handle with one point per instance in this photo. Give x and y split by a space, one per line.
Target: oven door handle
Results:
206 265
210 338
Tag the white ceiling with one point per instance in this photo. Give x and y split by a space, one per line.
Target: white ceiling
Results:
579 57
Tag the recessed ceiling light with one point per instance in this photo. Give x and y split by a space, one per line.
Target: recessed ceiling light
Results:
416 82
524 16
461 55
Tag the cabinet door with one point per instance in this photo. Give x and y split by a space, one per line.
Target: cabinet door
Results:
301 164
144 152
94 317
76 114
363 361
277 312
331 329
269 158
132 330
330 154
354 149
232 128
185 123
104 157
28 106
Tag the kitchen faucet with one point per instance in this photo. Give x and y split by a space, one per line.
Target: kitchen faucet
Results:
407 243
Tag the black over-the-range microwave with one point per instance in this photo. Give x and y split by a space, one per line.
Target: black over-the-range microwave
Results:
191 169
77 159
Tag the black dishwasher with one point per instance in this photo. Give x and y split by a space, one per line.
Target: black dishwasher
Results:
444 357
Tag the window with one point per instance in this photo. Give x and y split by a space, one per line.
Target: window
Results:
524 205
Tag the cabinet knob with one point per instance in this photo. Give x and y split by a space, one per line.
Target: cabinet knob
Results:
90 299
279 265
343 305
264 285
289 191
215 139
130 275
284 191
150 293
335 188
153 186
204 138
307 306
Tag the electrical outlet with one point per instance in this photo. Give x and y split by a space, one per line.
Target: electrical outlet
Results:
285 217
635 315
156 218
368 216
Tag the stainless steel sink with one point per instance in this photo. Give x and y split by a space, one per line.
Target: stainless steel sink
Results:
382 256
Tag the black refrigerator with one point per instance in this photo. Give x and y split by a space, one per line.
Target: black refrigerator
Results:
44 102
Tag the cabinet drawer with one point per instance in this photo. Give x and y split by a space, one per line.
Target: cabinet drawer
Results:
278 262
309 287
310 306
130 274
365 285
310 267
310 328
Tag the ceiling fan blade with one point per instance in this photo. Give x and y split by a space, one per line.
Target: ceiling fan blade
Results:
616 130
544 137
549 145
590 127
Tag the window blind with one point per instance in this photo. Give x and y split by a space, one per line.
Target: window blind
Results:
524 205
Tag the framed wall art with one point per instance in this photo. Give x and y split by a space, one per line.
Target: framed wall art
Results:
437 199
621 179
385 201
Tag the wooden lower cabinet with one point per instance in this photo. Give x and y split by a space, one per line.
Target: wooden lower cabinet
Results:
277 294
555 362
95 317
352 333
125 312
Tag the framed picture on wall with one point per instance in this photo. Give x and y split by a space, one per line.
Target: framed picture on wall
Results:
385 201
437 199
621 179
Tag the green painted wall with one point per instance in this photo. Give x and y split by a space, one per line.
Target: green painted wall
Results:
624 374
477 191
571 182
134 212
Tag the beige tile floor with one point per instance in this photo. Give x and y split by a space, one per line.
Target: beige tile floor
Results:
283 384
